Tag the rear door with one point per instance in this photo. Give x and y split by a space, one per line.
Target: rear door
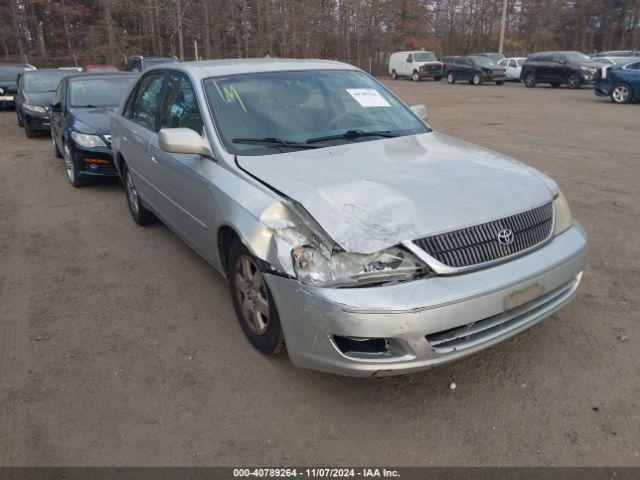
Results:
560 70
139 126
544 68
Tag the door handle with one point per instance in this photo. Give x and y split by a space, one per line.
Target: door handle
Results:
154 159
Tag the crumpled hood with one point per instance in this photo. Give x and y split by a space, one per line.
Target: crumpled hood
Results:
43 99
371 195
93 120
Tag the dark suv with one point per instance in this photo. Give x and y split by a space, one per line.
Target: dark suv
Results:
139 63
475 69
574 69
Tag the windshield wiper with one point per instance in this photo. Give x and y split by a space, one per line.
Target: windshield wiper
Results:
353 134
273 142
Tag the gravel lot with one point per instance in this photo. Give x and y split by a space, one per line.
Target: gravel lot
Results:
119 345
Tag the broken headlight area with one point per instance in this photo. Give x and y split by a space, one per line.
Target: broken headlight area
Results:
342 269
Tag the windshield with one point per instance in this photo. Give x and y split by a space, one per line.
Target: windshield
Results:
577 57
9 73
424 57
98 92
303 106
481 60
39 81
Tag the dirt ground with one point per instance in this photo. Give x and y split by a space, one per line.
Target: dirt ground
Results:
119 345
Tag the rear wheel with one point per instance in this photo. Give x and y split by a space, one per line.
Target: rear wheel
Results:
574 81
530 80
499 82
139 213
394 75
451 79
416 76
253 302
622 93
437 79
477 79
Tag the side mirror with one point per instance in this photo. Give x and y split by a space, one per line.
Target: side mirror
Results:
56 107
420 111
184 140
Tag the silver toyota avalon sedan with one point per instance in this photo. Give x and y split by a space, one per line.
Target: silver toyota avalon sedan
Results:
352 235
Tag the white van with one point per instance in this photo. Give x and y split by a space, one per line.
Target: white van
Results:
416 65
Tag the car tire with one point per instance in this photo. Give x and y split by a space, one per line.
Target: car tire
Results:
477 79
451 79
394 75
621 93
253 302
555 85
138 211
28 132
20 123
437 79
415 76
56 150
574 81
499 82
530 80
72 171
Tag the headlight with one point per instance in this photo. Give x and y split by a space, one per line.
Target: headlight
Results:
88 141
35 108
563 214
352 269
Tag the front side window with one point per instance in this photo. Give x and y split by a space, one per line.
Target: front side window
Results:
512 63
180 107
633 66
311 108
409 58
41 82
145 105
576 57
98 92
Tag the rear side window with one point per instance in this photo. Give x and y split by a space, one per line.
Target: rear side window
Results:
512 63
634 66
144 108
180 107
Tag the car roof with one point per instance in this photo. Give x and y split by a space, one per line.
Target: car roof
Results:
15 65
212 68
102 74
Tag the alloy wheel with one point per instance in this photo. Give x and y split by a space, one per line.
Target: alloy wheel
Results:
450 78
132 195
68 163
252 295
573 81
620 94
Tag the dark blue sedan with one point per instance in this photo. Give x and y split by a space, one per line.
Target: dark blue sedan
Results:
81 123
620 82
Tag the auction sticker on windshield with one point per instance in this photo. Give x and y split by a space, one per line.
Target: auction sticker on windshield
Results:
368 97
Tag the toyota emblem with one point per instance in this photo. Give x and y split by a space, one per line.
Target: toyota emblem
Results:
506 237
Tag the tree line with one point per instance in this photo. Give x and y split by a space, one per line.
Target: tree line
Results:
361 32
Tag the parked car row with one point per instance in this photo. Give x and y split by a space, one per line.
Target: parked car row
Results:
332 208
613 74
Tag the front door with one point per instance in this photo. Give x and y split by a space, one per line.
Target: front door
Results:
181 180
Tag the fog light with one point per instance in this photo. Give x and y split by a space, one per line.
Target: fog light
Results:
354 345
93 167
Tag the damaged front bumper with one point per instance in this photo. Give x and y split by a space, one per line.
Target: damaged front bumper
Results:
415 325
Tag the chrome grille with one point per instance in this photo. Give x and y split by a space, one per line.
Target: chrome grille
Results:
479 244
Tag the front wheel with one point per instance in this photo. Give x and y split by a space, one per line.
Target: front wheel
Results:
20 124
253 302
477 79
394 75
499 82
56 150
28 132
451 79
72 171
622 93
437 79
415 77
574 81
530 80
